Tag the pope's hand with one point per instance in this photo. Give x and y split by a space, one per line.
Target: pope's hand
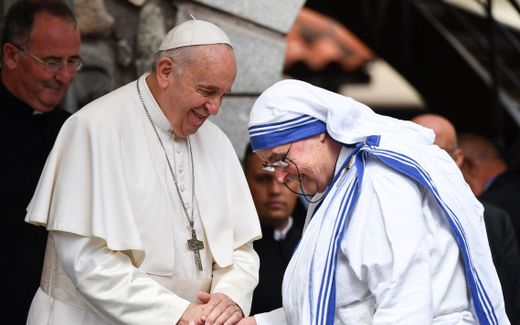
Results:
219 309
192 315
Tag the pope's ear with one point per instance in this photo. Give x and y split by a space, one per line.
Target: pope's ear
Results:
165 67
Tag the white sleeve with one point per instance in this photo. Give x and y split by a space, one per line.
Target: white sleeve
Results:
276 316
388 248
238 280
112 285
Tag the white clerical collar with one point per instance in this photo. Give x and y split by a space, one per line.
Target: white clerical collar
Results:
280 234
156 113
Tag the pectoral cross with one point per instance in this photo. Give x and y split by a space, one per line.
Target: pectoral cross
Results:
195 245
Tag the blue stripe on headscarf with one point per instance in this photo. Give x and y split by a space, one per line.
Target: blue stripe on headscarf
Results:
274 134
326 303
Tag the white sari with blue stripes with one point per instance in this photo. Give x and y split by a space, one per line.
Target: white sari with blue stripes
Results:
452 267
311 281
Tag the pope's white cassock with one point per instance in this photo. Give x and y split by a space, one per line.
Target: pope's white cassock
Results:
117 250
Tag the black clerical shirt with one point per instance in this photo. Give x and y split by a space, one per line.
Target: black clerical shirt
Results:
26 138
274 257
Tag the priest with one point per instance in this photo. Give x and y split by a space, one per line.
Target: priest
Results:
149 215
37 38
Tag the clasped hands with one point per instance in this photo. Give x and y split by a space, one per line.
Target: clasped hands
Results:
216 309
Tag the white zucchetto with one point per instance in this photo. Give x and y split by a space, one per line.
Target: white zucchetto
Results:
194 32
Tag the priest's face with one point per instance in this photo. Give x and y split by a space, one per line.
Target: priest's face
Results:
197 92
309 162
273 201
39 85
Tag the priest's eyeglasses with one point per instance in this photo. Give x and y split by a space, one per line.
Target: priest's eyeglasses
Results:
281 163
54 64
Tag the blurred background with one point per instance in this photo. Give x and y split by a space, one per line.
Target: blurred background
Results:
457 58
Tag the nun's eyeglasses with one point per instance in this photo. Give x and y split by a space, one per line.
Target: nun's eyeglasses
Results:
281 163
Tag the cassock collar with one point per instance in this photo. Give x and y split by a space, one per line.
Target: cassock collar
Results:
155 111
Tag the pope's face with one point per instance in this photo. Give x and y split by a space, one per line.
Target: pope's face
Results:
197 93
308 162
273 201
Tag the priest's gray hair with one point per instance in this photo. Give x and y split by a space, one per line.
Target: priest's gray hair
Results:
181 57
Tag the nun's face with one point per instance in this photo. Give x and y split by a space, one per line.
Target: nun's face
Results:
309 161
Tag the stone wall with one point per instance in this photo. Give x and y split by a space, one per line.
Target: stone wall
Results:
120 37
